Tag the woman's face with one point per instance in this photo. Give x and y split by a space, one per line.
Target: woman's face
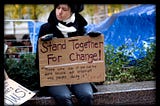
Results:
63 12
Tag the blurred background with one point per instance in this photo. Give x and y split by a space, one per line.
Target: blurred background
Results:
23 20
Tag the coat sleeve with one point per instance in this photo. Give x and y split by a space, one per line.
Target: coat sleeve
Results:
45 29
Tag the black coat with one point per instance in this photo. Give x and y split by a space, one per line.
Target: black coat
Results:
50 28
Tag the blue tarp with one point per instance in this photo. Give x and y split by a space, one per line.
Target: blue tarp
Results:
33 33
133 26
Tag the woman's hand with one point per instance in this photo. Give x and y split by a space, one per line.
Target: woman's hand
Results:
94 34
47 37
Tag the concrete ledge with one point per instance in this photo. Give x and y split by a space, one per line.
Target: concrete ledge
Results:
130 97
143 93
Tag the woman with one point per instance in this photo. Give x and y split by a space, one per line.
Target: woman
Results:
65 21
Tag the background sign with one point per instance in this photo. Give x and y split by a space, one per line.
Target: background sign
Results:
15 94
71 60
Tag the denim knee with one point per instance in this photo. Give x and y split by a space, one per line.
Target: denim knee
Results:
63 96
86 100
64 100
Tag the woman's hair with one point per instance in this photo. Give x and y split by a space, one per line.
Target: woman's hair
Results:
75 8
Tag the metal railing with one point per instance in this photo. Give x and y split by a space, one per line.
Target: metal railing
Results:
12 30
14 27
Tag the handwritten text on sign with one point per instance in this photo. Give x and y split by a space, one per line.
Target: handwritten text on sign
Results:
71 60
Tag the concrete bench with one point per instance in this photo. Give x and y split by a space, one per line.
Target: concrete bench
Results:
116 94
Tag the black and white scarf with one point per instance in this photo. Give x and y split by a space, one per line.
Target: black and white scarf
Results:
67 29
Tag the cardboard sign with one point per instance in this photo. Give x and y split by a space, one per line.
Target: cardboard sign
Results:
15 94
71 60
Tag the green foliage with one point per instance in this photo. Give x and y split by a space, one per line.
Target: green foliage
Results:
20 11
89 9
23 71
117 64
145 67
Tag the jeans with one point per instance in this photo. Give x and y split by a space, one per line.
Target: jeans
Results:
62 94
